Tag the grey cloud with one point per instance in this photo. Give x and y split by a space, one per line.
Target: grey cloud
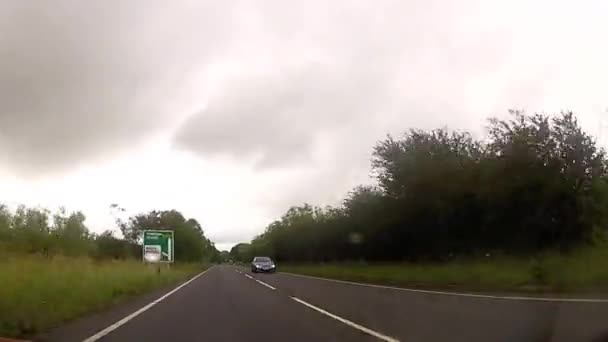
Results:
79 80
347 71
335 78
278 118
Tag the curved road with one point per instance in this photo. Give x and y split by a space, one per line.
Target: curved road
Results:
230 304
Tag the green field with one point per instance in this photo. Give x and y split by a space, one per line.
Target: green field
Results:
582 272
38 293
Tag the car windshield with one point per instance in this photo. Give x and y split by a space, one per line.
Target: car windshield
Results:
262 259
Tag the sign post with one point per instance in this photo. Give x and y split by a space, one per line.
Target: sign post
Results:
158 246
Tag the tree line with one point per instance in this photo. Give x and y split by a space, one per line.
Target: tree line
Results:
534 183
42 232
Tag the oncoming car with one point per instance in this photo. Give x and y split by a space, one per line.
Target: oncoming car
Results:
263 264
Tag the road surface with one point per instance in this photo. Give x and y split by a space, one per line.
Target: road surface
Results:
230 304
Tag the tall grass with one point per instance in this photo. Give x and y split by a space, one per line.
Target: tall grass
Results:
39 293
584 271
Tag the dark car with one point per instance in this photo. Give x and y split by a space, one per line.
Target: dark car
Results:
263 264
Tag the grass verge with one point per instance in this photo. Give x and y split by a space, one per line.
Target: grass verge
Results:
37 293
583 272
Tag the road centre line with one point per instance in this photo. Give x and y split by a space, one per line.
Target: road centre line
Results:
118 324
329 314
347 322
258 281
263 283
459 294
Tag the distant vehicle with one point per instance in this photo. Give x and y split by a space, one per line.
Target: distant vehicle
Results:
263 264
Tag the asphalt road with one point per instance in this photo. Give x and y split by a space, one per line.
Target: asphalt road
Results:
229 304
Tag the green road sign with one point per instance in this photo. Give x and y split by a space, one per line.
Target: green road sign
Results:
158 246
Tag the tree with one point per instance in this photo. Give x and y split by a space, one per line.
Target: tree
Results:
29 230
190 241
224 256
108 246
241 252
71 235
537 182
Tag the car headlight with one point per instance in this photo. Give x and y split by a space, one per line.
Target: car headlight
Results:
257 266
272 266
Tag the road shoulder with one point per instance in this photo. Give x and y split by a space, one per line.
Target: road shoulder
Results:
83 327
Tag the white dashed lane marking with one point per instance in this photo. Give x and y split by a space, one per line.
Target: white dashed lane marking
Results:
351 324
263 283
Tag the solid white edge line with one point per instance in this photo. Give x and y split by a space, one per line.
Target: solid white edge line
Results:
118 324
248 276
459 294
263 283
347 322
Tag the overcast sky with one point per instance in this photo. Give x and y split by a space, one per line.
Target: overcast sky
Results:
231 111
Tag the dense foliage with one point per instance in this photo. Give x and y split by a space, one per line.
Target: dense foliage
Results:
537 182
38 231
190 241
